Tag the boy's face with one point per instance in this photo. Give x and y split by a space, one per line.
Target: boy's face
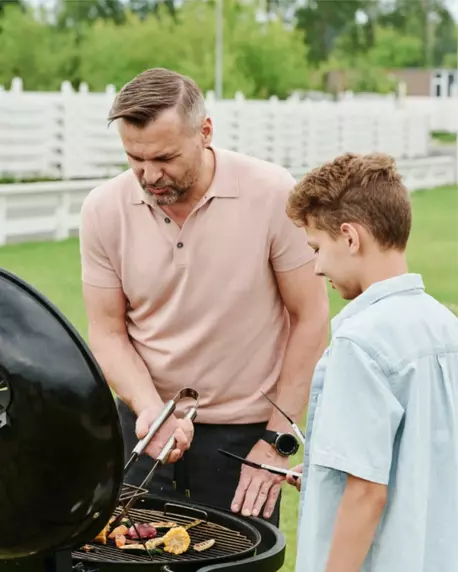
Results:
335 258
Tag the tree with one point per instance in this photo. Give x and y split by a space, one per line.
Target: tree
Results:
259 59
429 20
324 21
43 60
5 3
71 14
143 8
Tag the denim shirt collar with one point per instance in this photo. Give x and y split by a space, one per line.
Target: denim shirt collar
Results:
397 285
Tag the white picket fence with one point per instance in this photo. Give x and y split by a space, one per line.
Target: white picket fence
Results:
51 210
65 135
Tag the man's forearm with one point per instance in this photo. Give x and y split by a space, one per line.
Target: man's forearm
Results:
307 341
125 371
357 519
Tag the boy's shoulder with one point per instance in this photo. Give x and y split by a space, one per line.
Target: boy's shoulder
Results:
399 329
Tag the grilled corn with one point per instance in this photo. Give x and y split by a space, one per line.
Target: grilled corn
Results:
177 540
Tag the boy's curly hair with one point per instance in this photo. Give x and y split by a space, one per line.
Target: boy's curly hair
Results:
363 189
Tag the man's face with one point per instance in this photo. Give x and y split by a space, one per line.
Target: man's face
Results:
335 259
166 155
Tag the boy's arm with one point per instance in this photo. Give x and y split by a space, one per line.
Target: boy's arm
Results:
354 434
357 519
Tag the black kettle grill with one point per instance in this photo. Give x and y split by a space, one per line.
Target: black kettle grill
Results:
62 454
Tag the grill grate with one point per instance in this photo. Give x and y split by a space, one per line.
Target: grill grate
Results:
228 542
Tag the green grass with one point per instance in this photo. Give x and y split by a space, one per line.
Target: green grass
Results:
54 269
444 137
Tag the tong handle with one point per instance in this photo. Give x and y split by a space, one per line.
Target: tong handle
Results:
169 408
169 446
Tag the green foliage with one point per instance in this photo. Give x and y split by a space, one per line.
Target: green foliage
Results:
259 59
41 57
109 41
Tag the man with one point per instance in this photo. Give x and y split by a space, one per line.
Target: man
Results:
194 276
380 490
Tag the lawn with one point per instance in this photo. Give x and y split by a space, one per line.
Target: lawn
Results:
53 268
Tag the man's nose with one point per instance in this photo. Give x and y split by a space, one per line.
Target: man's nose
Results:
152 173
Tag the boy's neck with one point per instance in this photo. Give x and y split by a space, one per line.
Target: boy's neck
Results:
382 267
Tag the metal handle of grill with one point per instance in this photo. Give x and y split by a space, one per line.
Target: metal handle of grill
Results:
183 510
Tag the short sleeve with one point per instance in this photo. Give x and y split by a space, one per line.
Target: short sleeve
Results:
358 416
96 267
288 248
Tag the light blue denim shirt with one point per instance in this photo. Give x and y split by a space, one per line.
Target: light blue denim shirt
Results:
384 407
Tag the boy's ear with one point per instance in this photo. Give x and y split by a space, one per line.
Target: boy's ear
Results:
351 235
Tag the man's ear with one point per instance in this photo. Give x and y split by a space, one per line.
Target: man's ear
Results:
206 131
351 235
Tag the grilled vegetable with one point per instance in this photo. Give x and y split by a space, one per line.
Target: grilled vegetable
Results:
101 537
154 543
157 525
118 530
177 540
192 524
120 540
205 545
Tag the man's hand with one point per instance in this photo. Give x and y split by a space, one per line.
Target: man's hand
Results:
182 429
292 480
258 488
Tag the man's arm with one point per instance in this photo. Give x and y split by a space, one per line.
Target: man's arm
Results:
306 300
305 297
357 520
124 369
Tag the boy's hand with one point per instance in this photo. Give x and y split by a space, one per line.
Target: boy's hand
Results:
292 480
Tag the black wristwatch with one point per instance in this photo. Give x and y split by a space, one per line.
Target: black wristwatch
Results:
285 444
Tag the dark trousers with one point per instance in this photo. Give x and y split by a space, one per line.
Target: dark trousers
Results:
210 477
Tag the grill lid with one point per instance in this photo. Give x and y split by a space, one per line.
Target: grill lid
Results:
61 445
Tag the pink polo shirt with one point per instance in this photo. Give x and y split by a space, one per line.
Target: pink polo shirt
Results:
203 306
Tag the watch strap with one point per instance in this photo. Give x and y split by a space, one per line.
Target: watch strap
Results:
270 437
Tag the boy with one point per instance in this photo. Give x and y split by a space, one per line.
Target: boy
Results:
380 490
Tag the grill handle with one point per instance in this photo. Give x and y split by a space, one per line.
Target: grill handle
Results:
183 510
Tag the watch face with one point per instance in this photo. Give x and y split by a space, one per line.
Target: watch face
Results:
287 444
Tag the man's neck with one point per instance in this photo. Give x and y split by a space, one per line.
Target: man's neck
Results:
387 265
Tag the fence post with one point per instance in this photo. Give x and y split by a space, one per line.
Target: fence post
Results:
63 216
3 219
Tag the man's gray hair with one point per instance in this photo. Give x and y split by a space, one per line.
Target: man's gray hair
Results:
153 91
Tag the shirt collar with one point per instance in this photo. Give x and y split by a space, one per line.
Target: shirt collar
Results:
402 284
224 183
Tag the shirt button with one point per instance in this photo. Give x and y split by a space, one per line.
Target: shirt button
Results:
167 220
180 245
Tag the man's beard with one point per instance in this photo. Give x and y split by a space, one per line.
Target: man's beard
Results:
170 197
173 195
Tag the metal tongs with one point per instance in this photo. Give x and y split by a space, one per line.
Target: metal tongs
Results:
270 468
167 411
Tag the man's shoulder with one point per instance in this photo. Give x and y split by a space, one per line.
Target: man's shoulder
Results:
112 192
255 173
